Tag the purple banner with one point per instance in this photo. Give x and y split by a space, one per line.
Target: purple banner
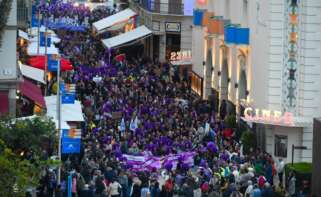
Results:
148 163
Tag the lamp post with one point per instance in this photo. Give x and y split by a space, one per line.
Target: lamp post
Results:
298 148
59 117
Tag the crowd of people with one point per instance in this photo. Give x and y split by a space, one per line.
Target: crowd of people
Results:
170 119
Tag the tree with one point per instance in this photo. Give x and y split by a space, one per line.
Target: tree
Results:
19 171
17 174
27 135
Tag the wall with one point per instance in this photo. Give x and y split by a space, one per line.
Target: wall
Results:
316 169
8 64
198 50
294 137
8 49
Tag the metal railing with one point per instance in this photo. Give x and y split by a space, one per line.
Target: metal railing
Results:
174 7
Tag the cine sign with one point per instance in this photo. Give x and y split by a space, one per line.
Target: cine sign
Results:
268 116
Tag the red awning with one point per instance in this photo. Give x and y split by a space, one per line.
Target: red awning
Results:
39 62
33 92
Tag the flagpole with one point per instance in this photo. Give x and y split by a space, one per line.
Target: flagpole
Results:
59 118
38 43
46 61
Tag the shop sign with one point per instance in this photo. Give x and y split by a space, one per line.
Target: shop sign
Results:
268 116
172 27
181 55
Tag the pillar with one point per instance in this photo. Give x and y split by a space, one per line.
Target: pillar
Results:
12 101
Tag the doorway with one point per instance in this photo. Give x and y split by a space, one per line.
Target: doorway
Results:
173 44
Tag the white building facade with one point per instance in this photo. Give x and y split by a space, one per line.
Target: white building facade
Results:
277 74
8 65
171 23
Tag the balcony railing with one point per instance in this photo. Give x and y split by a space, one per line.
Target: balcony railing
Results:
175 7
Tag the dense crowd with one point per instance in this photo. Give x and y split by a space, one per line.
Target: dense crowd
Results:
170 119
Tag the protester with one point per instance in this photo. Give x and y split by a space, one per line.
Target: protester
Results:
147 134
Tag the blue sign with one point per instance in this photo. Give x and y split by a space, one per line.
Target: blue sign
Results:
198 17
43 38
242 36
230 35
34 17
52 63
70 145
68 99
62 88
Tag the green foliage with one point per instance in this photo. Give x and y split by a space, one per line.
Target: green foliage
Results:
17 136
303 167
230 121
248 140
16 174
26 135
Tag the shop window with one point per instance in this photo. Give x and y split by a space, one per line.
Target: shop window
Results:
281 146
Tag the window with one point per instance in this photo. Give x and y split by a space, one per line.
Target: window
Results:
281 145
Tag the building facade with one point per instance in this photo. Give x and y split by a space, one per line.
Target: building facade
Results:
171 23
274 74
8 64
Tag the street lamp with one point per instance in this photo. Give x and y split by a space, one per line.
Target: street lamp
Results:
58 116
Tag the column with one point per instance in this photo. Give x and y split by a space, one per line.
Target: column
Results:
12 101
162 48
232 74
216 62
208 69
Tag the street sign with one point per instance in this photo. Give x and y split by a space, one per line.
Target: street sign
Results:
68 98
300 147
43 38
52 62
70 145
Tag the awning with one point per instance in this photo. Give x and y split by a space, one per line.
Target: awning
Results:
23 34
33 92
140 32
33 49
54 39
32 73
69 112
34 30
120 17
39 62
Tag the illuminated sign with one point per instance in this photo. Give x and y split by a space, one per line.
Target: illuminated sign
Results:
268 116
181 57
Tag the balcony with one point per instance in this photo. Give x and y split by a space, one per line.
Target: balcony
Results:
172 7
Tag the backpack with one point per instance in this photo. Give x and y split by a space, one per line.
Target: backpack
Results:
205 187
169 186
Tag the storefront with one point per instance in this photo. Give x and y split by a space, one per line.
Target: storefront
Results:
276 132
197 83
181 61
173 37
